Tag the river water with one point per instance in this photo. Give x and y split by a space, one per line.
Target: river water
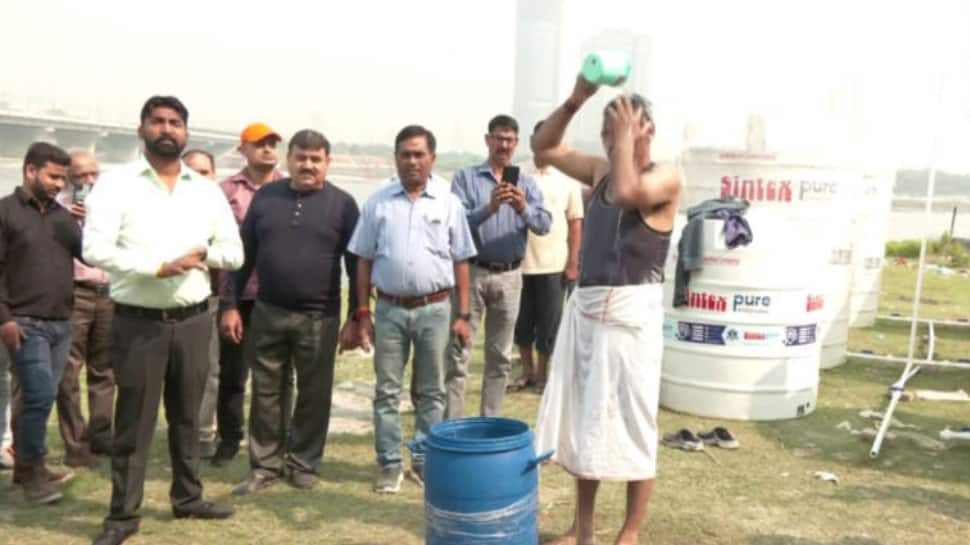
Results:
903 223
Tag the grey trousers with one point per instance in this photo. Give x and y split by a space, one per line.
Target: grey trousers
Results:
207 411
285 340
6 400
90 348
494 296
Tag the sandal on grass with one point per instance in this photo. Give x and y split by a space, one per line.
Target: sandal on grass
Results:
682 439
520 384
720 437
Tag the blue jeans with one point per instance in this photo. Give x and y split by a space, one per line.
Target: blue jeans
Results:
38 367
395 330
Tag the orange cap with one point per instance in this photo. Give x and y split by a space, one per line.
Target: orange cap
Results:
256 132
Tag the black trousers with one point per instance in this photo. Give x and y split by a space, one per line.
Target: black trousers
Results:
156 360
283 341
233 372
540 310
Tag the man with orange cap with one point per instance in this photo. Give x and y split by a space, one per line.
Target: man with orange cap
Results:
257 143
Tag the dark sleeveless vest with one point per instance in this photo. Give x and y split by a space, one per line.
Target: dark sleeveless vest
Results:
619 249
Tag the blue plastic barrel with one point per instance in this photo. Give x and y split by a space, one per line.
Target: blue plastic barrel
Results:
481 483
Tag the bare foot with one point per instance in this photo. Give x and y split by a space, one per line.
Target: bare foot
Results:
626 538
569 538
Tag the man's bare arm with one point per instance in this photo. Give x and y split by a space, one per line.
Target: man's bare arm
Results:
633 188
548 147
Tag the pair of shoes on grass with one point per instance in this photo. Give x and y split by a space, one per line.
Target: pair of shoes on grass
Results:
685 439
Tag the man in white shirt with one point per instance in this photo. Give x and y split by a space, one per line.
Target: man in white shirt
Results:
157 227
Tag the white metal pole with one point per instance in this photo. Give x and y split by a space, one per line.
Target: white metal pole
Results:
920 361
897 388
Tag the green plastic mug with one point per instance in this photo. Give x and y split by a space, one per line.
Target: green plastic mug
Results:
606 67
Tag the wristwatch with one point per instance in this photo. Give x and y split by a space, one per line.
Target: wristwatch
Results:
466 316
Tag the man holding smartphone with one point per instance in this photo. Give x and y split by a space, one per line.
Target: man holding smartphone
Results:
502 207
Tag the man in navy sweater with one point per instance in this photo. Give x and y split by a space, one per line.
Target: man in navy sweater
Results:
295 233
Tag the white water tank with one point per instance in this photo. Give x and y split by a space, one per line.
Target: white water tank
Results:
837 292
874 201
747 345
818 195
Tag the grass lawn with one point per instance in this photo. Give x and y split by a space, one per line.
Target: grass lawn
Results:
762 494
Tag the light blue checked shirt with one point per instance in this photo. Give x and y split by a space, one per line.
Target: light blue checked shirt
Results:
413 244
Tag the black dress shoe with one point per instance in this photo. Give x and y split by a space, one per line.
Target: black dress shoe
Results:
114 536
204 510
224 454
101 449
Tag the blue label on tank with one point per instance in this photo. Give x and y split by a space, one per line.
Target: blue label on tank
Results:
740 335
800 335
692 332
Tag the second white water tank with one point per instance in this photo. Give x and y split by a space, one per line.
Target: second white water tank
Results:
747 344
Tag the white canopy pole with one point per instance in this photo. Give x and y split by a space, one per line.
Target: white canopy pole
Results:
897 388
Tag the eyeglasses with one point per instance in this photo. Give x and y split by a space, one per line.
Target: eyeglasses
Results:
504 139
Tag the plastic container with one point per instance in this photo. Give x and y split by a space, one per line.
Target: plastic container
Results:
606 67
481 482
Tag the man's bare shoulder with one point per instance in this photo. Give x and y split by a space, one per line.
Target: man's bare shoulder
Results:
666 175
663 171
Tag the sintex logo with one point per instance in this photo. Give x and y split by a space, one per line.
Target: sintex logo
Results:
719 303
757 189
706 301
814 302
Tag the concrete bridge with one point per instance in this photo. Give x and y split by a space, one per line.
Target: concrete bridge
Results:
110 142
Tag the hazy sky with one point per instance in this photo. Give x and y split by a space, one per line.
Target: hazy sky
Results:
857 79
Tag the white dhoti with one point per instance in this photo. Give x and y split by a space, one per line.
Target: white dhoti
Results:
599 407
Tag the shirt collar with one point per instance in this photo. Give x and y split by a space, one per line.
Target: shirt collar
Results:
22 195
431 189
27 199
146 170
242 178
484 167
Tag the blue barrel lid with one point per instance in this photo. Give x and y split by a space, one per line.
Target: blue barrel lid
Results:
480 435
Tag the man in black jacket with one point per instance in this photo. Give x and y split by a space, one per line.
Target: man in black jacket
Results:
39 240
295 234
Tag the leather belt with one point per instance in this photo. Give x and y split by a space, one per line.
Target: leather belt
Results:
415 301
101 290
162 314
497 267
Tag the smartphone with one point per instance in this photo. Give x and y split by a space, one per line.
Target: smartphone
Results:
80 192
510 174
